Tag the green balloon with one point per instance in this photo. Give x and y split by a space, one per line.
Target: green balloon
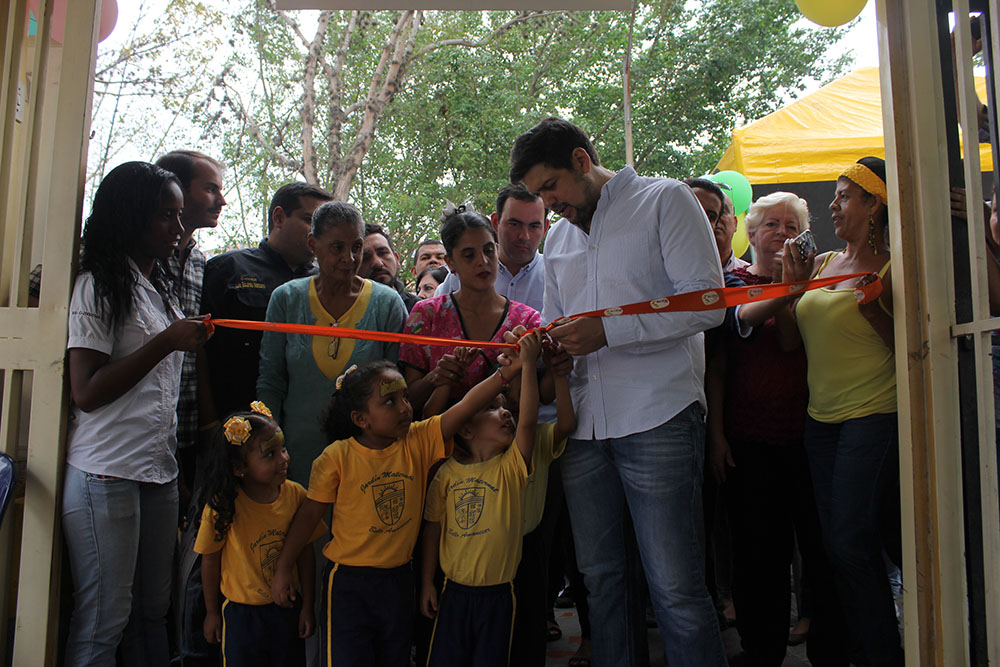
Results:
739 189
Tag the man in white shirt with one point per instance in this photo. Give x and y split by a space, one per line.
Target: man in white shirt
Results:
520 221
637 384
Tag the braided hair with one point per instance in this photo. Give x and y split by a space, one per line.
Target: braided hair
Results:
124 204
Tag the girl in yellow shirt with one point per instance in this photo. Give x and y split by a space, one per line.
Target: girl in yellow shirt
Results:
250 504
475 517
374 474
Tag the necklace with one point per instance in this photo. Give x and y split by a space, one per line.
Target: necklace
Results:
334 347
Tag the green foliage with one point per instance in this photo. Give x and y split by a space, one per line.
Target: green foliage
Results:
474 80
696 74
149 83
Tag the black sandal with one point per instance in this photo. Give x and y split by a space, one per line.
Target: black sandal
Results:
552 631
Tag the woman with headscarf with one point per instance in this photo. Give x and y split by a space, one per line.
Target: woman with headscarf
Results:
851 436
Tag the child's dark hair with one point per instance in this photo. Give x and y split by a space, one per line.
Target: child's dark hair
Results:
220 487
461 444
355 390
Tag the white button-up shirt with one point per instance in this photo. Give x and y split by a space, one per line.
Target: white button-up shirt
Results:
527 286
735 262
649 238
135 435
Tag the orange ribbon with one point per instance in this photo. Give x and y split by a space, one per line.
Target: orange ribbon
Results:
869 291
709 299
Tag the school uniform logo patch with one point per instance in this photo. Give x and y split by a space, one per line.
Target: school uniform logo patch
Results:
390 499
469 502
269 551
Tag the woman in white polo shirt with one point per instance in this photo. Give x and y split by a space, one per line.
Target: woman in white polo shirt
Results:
120 492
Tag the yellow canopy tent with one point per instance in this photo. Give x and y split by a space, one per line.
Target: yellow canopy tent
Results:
815 137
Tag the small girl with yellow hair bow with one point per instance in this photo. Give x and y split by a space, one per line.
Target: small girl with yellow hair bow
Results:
249 505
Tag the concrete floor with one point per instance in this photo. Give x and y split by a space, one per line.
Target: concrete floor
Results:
560 651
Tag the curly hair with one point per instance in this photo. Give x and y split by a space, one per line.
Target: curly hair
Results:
124 204
221 485
799 206
358 386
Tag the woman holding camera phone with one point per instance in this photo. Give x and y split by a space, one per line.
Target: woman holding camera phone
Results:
851 436
757 453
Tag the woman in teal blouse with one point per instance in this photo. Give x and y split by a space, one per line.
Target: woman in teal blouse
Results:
298 372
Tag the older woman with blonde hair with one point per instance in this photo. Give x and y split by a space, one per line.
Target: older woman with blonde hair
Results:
756 449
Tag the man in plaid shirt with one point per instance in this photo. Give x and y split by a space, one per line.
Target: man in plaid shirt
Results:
201 180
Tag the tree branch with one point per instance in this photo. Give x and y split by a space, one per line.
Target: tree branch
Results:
294 27
380 95
520 18
232 99
142 47
335 106
533 88
387 52
308 109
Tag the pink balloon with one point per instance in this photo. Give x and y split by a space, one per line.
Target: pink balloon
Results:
109 17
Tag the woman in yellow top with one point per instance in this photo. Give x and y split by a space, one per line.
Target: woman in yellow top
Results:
298 372
851 436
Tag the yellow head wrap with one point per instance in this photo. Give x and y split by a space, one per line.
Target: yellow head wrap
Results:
866 179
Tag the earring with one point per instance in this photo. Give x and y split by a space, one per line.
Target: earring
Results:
871 236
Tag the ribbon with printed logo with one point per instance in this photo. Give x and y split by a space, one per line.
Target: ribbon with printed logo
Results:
701 300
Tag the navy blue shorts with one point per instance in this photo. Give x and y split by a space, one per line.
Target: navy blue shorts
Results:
473 626
261 635
366 616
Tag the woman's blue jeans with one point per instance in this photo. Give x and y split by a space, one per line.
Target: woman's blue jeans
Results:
656 475
120 535
855 474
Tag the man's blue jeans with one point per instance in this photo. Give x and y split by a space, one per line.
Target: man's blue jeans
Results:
855 474
120 535
656 475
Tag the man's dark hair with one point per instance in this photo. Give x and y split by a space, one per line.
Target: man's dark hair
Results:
710 186
289 198
427 241
182 163
372 228
515 191
551 142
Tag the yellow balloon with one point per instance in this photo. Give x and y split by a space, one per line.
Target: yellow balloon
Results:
740 240
831 13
